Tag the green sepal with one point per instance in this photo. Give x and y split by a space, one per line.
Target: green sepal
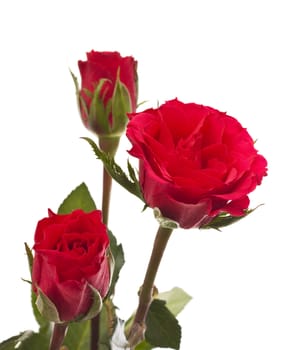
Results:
75 80
49 311
80 101
130 183
225 219
98 117
121 105
43 323
163 221
30 257
95 307
97 114
47 308
141 103
82 104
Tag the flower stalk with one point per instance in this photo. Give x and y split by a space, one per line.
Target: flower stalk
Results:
58 335
136 334
108 145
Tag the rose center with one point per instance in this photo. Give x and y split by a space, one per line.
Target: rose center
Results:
77 247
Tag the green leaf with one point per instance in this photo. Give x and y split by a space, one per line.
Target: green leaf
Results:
115 171
163 329
104 347
13 342
118 255
225 219
27 340
176 299
143 346
134 178
38 341
78 336
79 198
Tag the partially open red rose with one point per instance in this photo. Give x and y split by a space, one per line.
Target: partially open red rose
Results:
71 259
105 112
195 162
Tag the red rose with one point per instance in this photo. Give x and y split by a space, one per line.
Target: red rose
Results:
108 92
70 260
195 162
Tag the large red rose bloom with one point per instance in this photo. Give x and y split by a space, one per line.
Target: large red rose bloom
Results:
195 162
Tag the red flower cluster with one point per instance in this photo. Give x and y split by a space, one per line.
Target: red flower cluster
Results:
195 163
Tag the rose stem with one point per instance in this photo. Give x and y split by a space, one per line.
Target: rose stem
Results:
136 333
58 334
108 145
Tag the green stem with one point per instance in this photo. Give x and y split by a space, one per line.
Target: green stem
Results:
136 333
106 196
58 335
94 341
108 145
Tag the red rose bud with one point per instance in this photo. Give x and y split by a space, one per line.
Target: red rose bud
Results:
72 265
195 162
108 92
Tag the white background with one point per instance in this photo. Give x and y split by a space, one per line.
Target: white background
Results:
236 56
